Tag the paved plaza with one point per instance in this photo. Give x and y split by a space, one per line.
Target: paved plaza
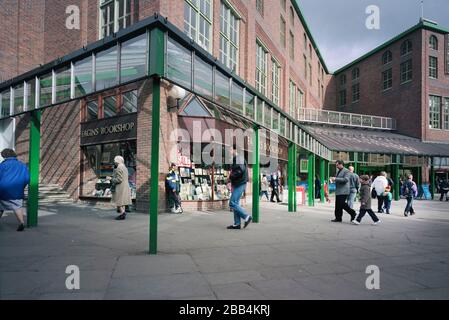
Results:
286 256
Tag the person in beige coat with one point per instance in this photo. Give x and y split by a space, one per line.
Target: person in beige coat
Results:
122 194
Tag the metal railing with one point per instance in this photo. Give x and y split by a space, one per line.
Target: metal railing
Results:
346 119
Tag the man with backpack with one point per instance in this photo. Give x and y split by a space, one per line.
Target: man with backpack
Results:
410 190
239 179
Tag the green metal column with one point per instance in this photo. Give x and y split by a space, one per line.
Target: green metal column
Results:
290 174
395 173
432 179
256 175
419 176
356 164
322 177
156 69
295 175
311 180
34 163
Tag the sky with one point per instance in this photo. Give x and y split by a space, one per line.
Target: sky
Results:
339 26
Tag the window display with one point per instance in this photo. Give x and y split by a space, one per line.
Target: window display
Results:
101 162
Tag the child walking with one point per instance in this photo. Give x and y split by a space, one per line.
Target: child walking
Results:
365 200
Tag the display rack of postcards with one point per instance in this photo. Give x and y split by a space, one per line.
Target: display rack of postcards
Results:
221 190
196 183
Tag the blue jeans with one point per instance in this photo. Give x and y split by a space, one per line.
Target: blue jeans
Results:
351 198
239 212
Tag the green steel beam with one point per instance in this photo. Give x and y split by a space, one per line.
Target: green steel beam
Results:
256 175
34 164
311 180
295 175
322 178
154 179
397 187
290 177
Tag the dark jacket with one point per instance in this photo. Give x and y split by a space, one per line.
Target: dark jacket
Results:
365 196
410 189
274 182
354 182
14 177
239 172
173 182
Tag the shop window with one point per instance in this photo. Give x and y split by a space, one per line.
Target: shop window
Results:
195 109
100 165
92 110
446 114
106 69
45 90
5 101
63 84
83 77
259 111
18 99
267 116
203 78
133 59
222 86
249 105
282 125
276 121
109 107
179 64
129 102
237 98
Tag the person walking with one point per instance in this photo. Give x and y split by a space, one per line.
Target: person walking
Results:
388 195
264 187
380 184
173 187
342 192
275 185
354 181
238 178
410 190
444 189
14 177
121 195
365 202
317 187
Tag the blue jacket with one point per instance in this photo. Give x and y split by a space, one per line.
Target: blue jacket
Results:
173 181
14 177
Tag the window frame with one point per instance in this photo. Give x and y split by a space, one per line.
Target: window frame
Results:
283 32
261 70
260 6
356 94
231 13
406 47
433 42
387 57
116 19
387 79
197 27
433 69
435 115
275 81
406 71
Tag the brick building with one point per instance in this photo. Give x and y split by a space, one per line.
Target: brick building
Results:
241 63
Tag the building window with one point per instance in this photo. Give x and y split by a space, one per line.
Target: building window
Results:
284 4
406 71
63 84
110 107
91 110
229 37
198 22
355 74
310 51
106 69
406 47
292 46
433 67
259 6
342 98
292 101
310 75
83 77
261 68
292 16
129 102
300 101
435 112
282 32
387 57
387 77
133 59
305 67
114 16
343 80
305 42
275 82
447 53
446 114
356 92
433 42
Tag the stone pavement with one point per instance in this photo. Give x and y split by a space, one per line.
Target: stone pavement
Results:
285 256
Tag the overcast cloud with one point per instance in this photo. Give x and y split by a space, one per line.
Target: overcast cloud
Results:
338 26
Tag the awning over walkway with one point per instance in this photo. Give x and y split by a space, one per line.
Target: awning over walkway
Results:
374 141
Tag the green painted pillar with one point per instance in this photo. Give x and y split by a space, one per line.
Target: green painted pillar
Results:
295 175
356 164
290 174
256 176
322 177
419 176
34 165
154 179
397 187
432 180
311 180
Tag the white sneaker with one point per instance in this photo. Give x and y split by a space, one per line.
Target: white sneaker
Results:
375 223
355 222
